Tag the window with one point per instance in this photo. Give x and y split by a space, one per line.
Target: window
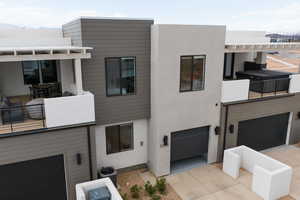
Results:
228 65
192 73
120 76
119 138
36 72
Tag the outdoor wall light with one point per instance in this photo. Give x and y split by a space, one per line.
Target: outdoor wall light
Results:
165 140
231 128
78 158
217 130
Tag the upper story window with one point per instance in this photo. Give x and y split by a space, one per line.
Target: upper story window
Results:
36 72
120 76
192 73
119 138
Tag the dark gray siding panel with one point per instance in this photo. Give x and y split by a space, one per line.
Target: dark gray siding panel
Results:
257 109
68 142
111 38
73 31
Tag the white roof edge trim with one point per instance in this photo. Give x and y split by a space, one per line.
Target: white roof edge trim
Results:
261 46
44 48
112 18
264 43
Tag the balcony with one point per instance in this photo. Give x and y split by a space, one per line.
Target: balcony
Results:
245 89
41 88
49 113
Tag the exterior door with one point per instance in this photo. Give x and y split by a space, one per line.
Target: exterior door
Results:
263 133
189 143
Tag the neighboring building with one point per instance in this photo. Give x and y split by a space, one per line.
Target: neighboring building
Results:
46 118
166 96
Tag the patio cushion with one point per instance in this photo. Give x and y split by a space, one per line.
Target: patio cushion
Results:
35 108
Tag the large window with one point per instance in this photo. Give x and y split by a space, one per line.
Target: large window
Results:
192 73
120 76
119 138
36 72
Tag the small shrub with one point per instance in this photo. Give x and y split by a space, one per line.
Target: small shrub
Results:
135 191
150 189
161 185
125 196
155 197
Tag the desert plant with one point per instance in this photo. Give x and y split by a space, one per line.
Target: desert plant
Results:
150 189
125 196
155 197
135 191
161 185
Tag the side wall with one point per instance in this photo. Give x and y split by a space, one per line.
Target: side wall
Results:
115 38
174 111
124 159
257 109
68 142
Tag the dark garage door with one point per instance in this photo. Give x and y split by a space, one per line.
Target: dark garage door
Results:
189 143
35 180
263 133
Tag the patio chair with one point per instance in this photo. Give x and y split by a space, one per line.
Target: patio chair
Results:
11 112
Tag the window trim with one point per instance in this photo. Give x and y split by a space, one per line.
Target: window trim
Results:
119 128
204 70
120 65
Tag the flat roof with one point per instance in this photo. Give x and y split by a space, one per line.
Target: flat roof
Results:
270 46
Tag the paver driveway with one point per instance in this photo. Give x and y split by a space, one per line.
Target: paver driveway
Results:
210 183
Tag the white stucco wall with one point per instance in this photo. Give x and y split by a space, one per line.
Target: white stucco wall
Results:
171 110
246 37
294 83
236 90
63 111
127 158
11 79
24 37
241 58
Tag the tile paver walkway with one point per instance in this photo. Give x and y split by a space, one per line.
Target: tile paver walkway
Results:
210 183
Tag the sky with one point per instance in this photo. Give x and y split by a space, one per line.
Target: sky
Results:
268 15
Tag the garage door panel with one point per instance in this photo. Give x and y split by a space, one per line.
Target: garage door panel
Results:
34 179
189 143
263 133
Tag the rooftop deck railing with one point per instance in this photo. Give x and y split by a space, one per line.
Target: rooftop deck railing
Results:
270 87
21 118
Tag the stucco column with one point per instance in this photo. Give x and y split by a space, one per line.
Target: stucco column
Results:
78 76
261 58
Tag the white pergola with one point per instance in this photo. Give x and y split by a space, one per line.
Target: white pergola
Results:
260 47
14 54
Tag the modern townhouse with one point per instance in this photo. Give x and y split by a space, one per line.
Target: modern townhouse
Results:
46 135
127 93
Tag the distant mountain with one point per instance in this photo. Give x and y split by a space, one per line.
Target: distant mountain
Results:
8 26
286 35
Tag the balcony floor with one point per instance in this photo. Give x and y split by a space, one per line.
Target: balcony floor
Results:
257 95
27 125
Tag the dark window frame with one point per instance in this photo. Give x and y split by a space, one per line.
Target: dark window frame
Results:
119 132
204 71
231 67
120 65
40 76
